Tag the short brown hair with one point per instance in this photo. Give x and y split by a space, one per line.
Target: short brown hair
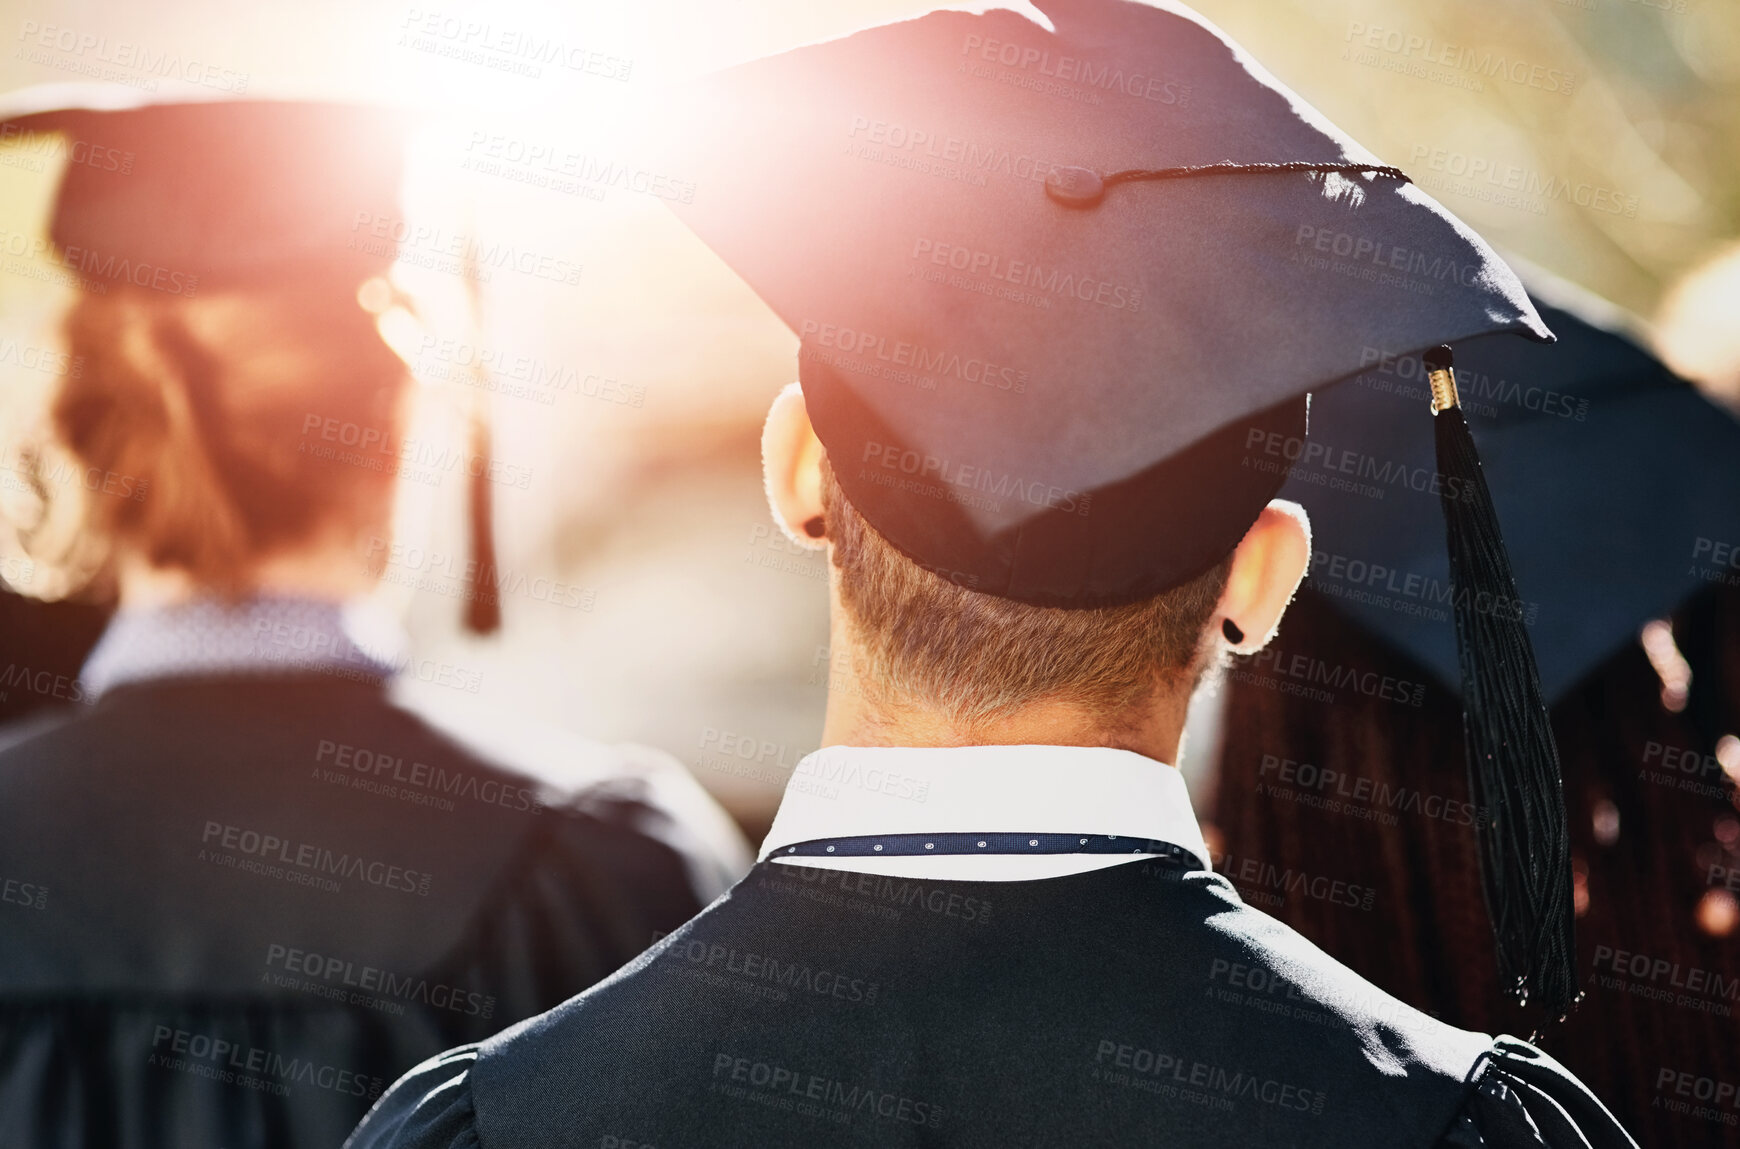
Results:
203 404
978 657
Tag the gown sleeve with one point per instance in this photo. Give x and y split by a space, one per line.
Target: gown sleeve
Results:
1519 1098
429 1108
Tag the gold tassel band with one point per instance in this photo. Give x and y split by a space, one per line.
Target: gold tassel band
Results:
1443 383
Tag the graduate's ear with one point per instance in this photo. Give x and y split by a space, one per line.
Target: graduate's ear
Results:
1266 570
791 467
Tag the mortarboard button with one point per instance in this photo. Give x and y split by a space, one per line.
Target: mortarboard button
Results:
1075 187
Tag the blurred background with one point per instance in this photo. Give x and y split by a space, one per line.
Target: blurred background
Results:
647 596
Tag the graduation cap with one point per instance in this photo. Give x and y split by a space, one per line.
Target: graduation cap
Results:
208 194
1059 286
1614 480
220 193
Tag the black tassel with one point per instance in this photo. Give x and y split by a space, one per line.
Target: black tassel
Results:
482 599
1513 763
483 594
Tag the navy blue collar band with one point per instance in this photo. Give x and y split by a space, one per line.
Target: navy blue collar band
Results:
930 845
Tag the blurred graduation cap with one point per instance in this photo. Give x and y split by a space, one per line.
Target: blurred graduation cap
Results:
210 194
1607 470
1059 288
228 192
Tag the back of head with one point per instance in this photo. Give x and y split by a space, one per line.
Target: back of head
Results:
218 319
205 406
927 635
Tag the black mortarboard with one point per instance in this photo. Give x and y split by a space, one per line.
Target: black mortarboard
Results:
221 192
887 195
199 195
1615 482
1057 290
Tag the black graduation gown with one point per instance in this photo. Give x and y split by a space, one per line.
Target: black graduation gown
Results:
235 909
45 644
1126 1006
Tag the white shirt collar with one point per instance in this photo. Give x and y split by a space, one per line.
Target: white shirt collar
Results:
849 791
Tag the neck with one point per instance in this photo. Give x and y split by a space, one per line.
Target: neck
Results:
859 714
854 721
327 571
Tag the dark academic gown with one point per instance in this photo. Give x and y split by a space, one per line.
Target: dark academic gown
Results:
1653 1047
45 643
215 932
1133 1005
